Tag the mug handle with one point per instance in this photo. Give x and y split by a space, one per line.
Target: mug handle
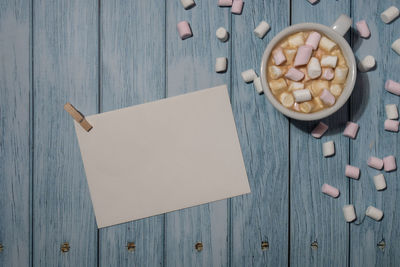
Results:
342 24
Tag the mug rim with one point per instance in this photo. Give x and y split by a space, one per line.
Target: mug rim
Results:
347 53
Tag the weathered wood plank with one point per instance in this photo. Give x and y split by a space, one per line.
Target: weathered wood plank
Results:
313 215
368 109
132 72
190 66
15 234
262 215
65 38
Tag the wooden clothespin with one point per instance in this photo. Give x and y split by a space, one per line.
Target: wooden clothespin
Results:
78 116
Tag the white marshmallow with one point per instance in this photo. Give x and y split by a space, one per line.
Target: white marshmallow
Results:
249 75
257 85
379 181
261 30
314 68
277 85
296 40
326 44
306 107
390 14
187 3
296 86
391 111
329 61
286 99
328 148
222 34
290 54
275 72
341 74
374 213
302 95
396 46
335 89
349 213
221 64
366 64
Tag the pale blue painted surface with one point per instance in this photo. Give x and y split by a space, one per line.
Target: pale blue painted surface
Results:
103 55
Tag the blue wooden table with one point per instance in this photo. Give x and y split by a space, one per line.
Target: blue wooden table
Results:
106 54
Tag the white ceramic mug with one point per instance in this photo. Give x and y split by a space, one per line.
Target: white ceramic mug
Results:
335 33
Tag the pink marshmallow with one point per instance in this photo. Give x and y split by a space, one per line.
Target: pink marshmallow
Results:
392 125
313 1
328 74
319 130
294 74
375 163
389 163
351 130
313 40
327 97
184 30
392 87
303 55
363 29
330 190
279 57
225 2
352 172
237 7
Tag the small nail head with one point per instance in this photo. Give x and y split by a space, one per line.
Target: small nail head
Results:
264 245
381 244
131 246
314 245
198 246
65 247
1 247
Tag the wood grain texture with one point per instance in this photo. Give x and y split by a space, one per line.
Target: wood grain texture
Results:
372 140
190 66
65 49
315 216
261 215
132 72
15 234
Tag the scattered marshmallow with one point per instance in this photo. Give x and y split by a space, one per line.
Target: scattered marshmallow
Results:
275 72
249 75
294 74
286 99
379 181
390 14
237 7
184 30
312 1
302 95
352 172
278 56
396 46
277 85
257 85
314 68
375 163
363 29
225 2
392 87
391 111
319 130
336 89
329 61
328 74
328 148
366 64
221 64
391 125
327 44
313 40
349 213
330 190
303 55
351 130
296 86
261 30
374 213
222 34
389 163
188 3
327 97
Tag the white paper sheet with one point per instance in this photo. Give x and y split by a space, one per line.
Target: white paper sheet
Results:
162 156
